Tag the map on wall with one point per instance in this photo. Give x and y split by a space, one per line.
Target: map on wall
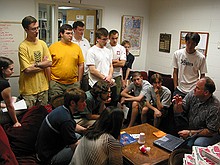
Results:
132 31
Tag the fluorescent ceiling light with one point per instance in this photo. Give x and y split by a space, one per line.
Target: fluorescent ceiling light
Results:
67 8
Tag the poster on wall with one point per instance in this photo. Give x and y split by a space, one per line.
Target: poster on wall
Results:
202 45
132 31
164 43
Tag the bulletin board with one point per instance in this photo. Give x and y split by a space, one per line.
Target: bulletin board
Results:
165 42
202 45
132 31
11 35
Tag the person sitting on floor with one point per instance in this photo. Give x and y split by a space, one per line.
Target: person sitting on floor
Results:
203 111
100 144
139 87
57 137
6 70
158 100
97 96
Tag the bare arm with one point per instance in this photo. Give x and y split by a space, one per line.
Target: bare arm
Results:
203 132
118 63
178 101
159 105
136 98
109 77
6 95
80 71
175 77
38 67
95 72
125 93
73 146
127 74
151 106
92 116
80 129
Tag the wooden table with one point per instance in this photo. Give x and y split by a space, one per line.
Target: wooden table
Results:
132 154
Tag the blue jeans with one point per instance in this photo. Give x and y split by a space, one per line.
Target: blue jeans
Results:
204 141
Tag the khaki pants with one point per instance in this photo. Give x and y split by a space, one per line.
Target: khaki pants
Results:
58 88
36 99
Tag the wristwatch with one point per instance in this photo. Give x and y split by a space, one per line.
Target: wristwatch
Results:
36 64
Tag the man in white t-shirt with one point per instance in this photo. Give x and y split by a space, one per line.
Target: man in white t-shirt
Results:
78 28
99 59
118 61
189 66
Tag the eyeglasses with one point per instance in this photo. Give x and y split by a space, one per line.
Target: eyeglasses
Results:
34 29
107 92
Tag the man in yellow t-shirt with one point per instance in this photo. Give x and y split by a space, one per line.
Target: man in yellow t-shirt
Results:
67 63
35 62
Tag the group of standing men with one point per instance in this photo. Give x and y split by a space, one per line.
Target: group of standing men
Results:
67 63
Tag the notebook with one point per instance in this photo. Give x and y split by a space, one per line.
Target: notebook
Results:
170 142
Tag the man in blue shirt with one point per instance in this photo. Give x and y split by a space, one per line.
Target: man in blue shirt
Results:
57 138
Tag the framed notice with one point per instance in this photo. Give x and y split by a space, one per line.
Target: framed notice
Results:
132 31
164 43
202 45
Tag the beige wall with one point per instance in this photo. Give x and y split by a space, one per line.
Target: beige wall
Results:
173 16
71 16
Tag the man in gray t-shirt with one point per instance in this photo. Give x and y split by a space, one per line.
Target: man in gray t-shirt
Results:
139 88
158 100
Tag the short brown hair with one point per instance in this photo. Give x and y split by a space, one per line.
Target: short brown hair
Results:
73 94
156 76
27 21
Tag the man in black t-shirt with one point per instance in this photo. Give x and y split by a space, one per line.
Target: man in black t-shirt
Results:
129 62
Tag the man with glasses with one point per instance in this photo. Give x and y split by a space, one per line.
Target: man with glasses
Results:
158 100
67 63
35 62
97 96
203 113
99 59
139 88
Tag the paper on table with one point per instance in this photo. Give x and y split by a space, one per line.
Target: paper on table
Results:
159 133
136 136
18 106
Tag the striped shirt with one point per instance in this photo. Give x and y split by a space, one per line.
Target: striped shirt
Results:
102 151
